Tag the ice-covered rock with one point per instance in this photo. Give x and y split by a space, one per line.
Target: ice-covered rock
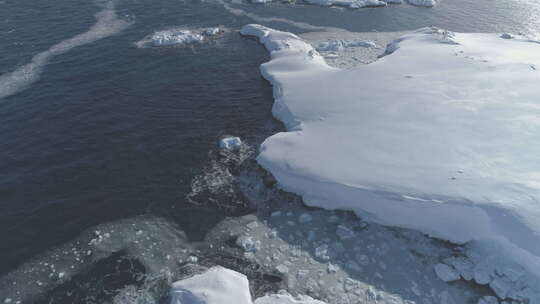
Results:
175 37
230 142
471 105
446 273
217 285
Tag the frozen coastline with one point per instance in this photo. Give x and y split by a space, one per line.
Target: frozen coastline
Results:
425 138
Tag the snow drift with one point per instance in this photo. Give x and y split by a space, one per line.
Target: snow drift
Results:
440 135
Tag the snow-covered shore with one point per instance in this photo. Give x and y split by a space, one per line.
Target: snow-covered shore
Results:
437 136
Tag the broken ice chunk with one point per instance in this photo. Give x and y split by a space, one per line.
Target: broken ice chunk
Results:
446 273
344 232
213 31
488 300
305 218
248 244
463 265
230 142
282 269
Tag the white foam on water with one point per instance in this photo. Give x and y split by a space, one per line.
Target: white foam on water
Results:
107 25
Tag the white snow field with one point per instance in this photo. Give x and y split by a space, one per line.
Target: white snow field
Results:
440 135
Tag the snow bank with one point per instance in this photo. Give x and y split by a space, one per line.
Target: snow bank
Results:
215 286
438 136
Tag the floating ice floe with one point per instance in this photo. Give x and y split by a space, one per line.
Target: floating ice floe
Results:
427 3
348 3
284 297
230 142
179 37
217 285
355 4
446 273
450 119
175 37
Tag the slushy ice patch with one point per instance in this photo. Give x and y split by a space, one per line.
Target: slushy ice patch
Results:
151 246
181 37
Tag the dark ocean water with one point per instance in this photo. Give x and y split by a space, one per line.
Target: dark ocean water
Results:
110 130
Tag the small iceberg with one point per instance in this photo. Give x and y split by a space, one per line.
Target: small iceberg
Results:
230 142
219 285
215 286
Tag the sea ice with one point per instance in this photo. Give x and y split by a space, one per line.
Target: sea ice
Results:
348 3
175 37
285 298
213 31
446 273
488 300
217 285
339 45
437 103
230 143
427 3
248 243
